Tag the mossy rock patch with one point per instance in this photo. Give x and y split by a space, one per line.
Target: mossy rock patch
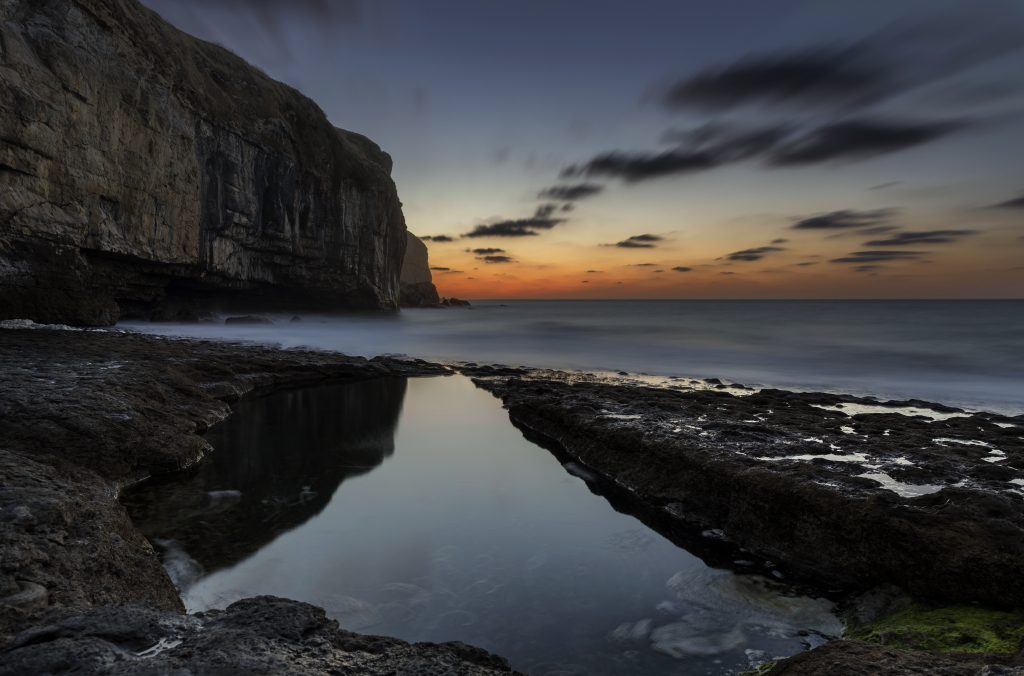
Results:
960 629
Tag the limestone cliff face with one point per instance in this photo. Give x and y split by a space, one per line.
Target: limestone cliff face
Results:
144 172
417 285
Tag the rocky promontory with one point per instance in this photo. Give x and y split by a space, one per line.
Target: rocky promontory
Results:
417 284
146 173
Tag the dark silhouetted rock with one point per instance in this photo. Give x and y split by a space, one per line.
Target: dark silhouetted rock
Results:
455 302
417 285
248 319
141 168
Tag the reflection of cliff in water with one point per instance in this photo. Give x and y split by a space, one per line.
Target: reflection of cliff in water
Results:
277 462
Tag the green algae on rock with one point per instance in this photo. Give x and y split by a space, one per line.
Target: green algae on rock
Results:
959 629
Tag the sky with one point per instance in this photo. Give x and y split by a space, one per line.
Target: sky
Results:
647 149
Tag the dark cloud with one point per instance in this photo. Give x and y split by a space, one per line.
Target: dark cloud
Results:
593 272
804 264
883 186
571 193
823 75
713 146
1015 203
642 265
861 257
901 58
641 166
922 237
844 218
486 251
780 240
680 268
858 139
645 241
755 254
440 269
702 149
496 259
521 227
545 210
868 268
437 238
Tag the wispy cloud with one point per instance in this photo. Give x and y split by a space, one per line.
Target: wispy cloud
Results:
922 237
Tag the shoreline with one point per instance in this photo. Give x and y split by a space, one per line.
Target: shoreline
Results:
117 384
502 335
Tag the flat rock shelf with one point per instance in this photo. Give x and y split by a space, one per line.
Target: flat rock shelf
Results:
630 525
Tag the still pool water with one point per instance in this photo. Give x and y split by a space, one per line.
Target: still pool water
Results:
414 508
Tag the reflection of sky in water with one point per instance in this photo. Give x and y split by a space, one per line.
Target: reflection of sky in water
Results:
469 532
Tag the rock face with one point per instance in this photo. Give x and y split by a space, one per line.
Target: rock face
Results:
144 172
845 491
417 285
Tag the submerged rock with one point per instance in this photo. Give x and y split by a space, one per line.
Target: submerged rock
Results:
144 172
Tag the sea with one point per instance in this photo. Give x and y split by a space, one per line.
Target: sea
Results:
967 353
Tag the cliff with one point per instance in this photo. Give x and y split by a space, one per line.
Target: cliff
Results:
144 172
416 283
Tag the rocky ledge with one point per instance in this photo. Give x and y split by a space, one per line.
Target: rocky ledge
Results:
848 491
84 413
262 635
850 494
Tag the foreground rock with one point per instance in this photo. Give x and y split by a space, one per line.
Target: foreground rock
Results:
84 413
144 172
262 635
848 496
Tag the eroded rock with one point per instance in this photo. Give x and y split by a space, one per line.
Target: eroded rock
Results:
144 172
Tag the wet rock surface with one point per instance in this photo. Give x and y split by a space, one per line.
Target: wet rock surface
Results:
261 635
846 491
146 173
85 413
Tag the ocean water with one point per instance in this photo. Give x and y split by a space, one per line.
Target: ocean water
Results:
966 353
413 508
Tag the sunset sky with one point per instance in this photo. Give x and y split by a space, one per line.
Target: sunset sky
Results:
782 148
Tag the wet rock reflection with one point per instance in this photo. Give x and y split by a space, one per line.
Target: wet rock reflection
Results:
276 464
